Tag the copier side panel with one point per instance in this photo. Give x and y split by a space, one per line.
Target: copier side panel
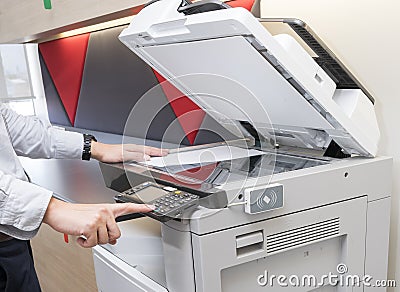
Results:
377 241
314 242
178 259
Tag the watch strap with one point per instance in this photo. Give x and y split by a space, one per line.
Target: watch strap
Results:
87 146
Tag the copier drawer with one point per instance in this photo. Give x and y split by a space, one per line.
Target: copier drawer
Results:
135 263
113 274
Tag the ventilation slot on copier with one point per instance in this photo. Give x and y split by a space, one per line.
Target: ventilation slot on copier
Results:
302 235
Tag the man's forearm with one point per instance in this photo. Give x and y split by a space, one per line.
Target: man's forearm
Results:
93 223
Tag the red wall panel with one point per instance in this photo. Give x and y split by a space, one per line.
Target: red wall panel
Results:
247 4
190 116
65 59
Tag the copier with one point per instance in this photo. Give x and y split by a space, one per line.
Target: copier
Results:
307 194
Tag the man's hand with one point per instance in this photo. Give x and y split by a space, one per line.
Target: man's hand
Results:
128 152
94 223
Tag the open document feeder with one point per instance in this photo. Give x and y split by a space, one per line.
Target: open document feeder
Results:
317 130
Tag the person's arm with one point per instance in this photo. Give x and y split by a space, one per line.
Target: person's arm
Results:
93 223
24 206
127 152
35 138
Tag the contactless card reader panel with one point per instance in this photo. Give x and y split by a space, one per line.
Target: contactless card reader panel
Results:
263 198
169 202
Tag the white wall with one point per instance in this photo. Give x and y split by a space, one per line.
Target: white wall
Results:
19 19
365 34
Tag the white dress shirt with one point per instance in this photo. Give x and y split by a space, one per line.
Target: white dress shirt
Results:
23 204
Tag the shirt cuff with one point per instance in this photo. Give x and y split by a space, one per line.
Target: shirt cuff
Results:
23 206
68 144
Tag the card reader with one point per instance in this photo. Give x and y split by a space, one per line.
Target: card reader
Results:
263 198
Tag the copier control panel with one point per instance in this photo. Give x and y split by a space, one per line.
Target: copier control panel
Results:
169 202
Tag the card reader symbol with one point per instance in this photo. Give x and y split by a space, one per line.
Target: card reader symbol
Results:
268 199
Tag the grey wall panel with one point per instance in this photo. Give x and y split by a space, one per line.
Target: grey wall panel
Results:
211 131
114 79
56 110
153 118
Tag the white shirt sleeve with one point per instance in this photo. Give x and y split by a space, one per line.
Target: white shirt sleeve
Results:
22 206
35 138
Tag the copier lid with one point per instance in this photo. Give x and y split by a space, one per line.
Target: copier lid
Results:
235 70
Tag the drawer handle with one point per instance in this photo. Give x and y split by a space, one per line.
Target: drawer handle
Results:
249 243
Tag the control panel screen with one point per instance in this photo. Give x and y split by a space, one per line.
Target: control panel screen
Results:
150 193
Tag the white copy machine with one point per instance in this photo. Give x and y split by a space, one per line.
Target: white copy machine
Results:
304 194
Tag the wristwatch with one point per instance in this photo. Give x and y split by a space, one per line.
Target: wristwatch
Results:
87 146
